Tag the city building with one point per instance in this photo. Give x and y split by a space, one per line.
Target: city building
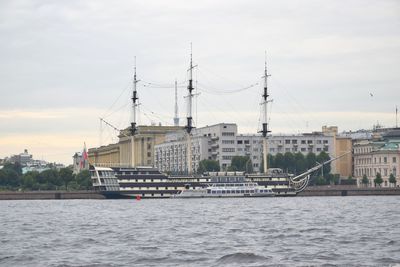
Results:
23 158
119 154
378 155
305 143
171 156
219 142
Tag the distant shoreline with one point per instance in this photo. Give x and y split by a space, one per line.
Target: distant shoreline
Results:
312 191
346 190
43 195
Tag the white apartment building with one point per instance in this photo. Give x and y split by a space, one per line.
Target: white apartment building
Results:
305 143
218 142
221 142
170 156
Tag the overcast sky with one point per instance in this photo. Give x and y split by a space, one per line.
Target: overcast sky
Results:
64 64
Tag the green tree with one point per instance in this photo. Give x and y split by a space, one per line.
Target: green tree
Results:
279 161
51 178
208 165
30 180
9 178
311 160
84 181
378 179
66 176
241 163
289 162
365 180
392 179
13 166
300 163
323 157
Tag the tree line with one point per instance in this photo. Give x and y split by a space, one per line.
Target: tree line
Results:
294 163
11 178
378 180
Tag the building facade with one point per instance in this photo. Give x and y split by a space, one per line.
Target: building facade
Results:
219 142
119 154
171 156
378 156
304 143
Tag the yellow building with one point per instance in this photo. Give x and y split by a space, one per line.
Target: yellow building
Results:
342 145
119 154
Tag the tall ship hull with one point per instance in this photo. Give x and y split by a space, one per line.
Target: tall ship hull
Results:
146 182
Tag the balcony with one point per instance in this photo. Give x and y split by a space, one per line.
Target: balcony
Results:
214 145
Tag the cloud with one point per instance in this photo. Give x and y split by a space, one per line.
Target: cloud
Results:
64 64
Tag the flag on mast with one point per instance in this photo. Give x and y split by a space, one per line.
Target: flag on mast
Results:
84 157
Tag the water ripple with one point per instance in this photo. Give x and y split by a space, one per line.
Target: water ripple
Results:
334 231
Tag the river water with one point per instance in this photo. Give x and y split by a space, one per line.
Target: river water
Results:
298 231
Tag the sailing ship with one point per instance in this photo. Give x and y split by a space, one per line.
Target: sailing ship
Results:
149 182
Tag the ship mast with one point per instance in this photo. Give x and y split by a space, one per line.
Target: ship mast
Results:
176 118
189 125
134 129
265 130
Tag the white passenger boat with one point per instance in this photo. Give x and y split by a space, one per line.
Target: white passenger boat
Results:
226 190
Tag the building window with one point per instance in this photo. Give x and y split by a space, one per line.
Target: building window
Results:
394 159
246 142
240 142
384 160
309 141
303 142
228 149
228 134
294 141
287 141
